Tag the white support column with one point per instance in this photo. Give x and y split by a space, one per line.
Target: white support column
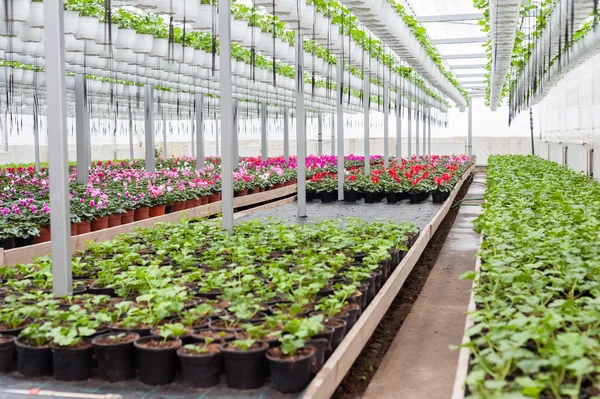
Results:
367 141
340 128
199 131
398 125
131 156
36 136
149 127
236 140
470 133
286 134
409 136
228 124
60 217
424 130
429 134
417 152
264 139
386 126
82 130
164 126
300 125
320 134
332 134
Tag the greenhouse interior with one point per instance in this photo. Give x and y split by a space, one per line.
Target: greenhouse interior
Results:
262 199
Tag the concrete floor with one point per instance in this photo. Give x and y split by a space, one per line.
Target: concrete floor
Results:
419 363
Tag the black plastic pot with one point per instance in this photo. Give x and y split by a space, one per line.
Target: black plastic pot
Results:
33 361
7 353
371 198
353 314
339 332
439 197
311 195
156 366
116 362
72 364
378 279
328 196
23 242
320 345
7 243
351 196
417 198
372 289
245 369
392 198
101 291
142 332
290 376
201 371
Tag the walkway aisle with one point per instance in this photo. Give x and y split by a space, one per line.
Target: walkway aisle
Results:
419 363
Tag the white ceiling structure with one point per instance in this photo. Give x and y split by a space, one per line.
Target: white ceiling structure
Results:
453 28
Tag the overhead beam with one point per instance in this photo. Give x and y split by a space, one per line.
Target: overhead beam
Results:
469 75
464 56
449 18
468 66
460 40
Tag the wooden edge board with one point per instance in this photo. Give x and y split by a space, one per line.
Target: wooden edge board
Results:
335 369
458 392
1 256
239 215
27 254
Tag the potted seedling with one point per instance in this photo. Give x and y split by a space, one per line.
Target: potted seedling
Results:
34 356
201 363
156 357
178 330
115 355
206 333
245 363
291 363
14 319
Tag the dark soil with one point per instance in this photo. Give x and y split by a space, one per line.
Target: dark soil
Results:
255 347
158 344
300 354
211 349
213 334
359 376
5 327
117 339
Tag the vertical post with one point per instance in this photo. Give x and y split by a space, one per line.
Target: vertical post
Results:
470 133
410 111
228 125
149 127
366 103
217 136
236 139
36 136
332 134
130 133
165 150
425 130
417 152
82 129
531 127
300 123
286 134
264 140
199 131
193 138
320 134
429 131
398 124
60 220
340 128
386 126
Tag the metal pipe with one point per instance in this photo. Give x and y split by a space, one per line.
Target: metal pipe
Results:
320 134
264 143
82 129
165 150
386 127
130 134
235 131
398 125
199 131
149 127
286 134
366 103
300 124
60 217
417 149
332 133
340 128
429 140
425 113
36 137
228 124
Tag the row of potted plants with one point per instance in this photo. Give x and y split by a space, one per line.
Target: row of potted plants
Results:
414 179
537 296
271 294
121 192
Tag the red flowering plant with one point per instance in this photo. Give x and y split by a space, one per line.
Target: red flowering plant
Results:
322 182
444 183
393 182
352 183
370 184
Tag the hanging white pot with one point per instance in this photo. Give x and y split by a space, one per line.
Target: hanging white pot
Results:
190 11
95 86
149 62
15 46
252 37
239 29
29 48
166 7
104 35
143 43
35 18
27 78
10 29
71 21
198 58
105 87
146 4
74 45
125 39
159 47
87 28
18 11
187 55
92 48
185 69
169 66
39 78
124 55
78 58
